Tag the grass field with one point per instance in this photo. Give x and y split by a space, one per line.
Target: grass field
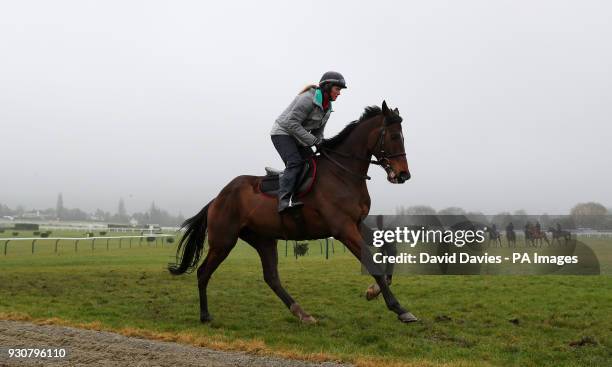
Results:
465 319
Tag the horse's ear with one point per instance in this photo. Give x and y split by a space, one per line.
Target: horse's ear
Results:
396 111
385 109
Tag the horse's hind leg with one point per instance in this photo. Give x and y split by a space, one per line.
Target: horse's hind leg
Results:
268 253
219 248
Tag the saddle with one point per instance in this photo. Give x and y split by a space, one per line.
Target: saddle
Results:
269 185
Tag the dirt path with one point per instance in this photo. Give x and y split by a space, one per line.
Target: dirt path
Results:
97 348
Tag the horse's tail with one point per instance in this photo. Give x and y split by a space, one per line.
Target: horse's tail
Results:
191 244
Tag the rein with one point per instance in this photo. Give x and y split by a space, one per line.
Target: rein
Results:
357 175
383 161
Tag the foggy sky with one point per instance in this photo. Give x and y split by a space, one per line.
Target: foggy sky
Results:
507 104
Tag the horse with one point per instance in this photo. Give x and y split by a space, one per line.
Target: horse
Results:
535 236
510 237
494 236
557 234
336 206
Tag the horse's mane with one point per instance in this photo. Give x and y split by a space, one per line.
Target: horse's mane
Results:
369 112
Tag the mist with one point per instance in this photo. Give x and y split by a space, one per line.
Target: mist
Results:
506 105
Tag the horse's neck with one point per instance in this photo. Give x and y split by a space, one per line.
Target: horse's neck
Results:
356 146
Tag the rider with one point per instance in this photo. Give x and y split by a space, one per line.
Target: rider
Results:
301 126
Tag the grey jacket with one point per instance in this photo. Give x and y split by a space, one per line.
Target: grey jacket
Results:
304 119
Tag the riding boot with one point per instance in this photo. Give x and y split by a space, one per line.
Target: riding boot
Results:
287 183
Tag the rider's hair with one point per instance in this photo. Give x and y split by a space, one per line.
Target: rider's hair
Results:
307 88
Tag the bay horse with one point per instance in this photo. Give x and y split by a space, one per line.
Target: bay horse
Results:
535 236
336 206
510 237
558 233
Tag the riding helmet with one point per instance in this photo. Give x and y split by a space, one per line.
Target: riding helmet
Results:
332 78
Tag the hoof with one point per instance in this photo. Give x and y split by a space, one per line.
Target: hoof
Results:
304 317
407 317
308 320
372 292
204 319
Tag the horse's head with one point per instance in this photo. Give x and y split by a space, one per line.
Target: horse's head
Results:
388 146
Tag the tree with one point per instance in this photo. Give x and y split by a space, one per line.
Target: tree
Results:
20 210
501 220
75 214
4 210
590 208
121 212
591 214
180 219
154 214
520 218
545 220
477 217
416 210
451 210
59 207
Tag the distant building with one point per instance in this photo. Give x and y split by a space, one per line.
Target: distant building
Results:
31 215
35 215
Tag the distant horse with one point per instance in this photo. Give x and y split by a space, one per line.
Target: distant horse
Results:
557 234
336 206
494 236
534 236
510 237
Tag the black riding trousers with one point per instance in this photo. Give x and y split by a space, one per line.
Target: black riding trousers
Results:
293 155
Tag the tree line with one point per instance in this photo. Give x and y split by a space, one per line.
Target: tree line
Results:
154 215
590 215
583 215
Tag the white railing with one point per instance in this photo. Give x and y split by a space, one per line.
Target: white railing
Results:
593 234
101 229
78 239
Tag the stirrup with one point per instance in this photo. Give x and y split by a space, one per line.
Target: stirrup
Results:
294 204
285 204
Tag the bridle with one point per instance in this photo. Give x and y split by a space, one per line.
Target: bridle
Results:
382 158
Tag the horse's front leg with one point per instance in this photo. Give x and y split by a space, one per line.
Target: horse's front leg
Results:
352 239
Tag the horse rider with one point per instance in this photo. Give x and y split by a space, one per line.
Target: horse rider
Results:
510 227
300 127
538 227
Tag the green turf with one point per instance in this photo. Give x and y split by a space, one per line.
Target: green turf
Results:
464 318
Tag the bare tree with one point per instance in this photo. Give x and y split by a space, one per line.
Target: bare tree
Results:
59 207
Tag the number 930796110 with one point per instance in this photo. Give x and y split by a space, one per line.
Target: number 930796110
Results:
33 353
